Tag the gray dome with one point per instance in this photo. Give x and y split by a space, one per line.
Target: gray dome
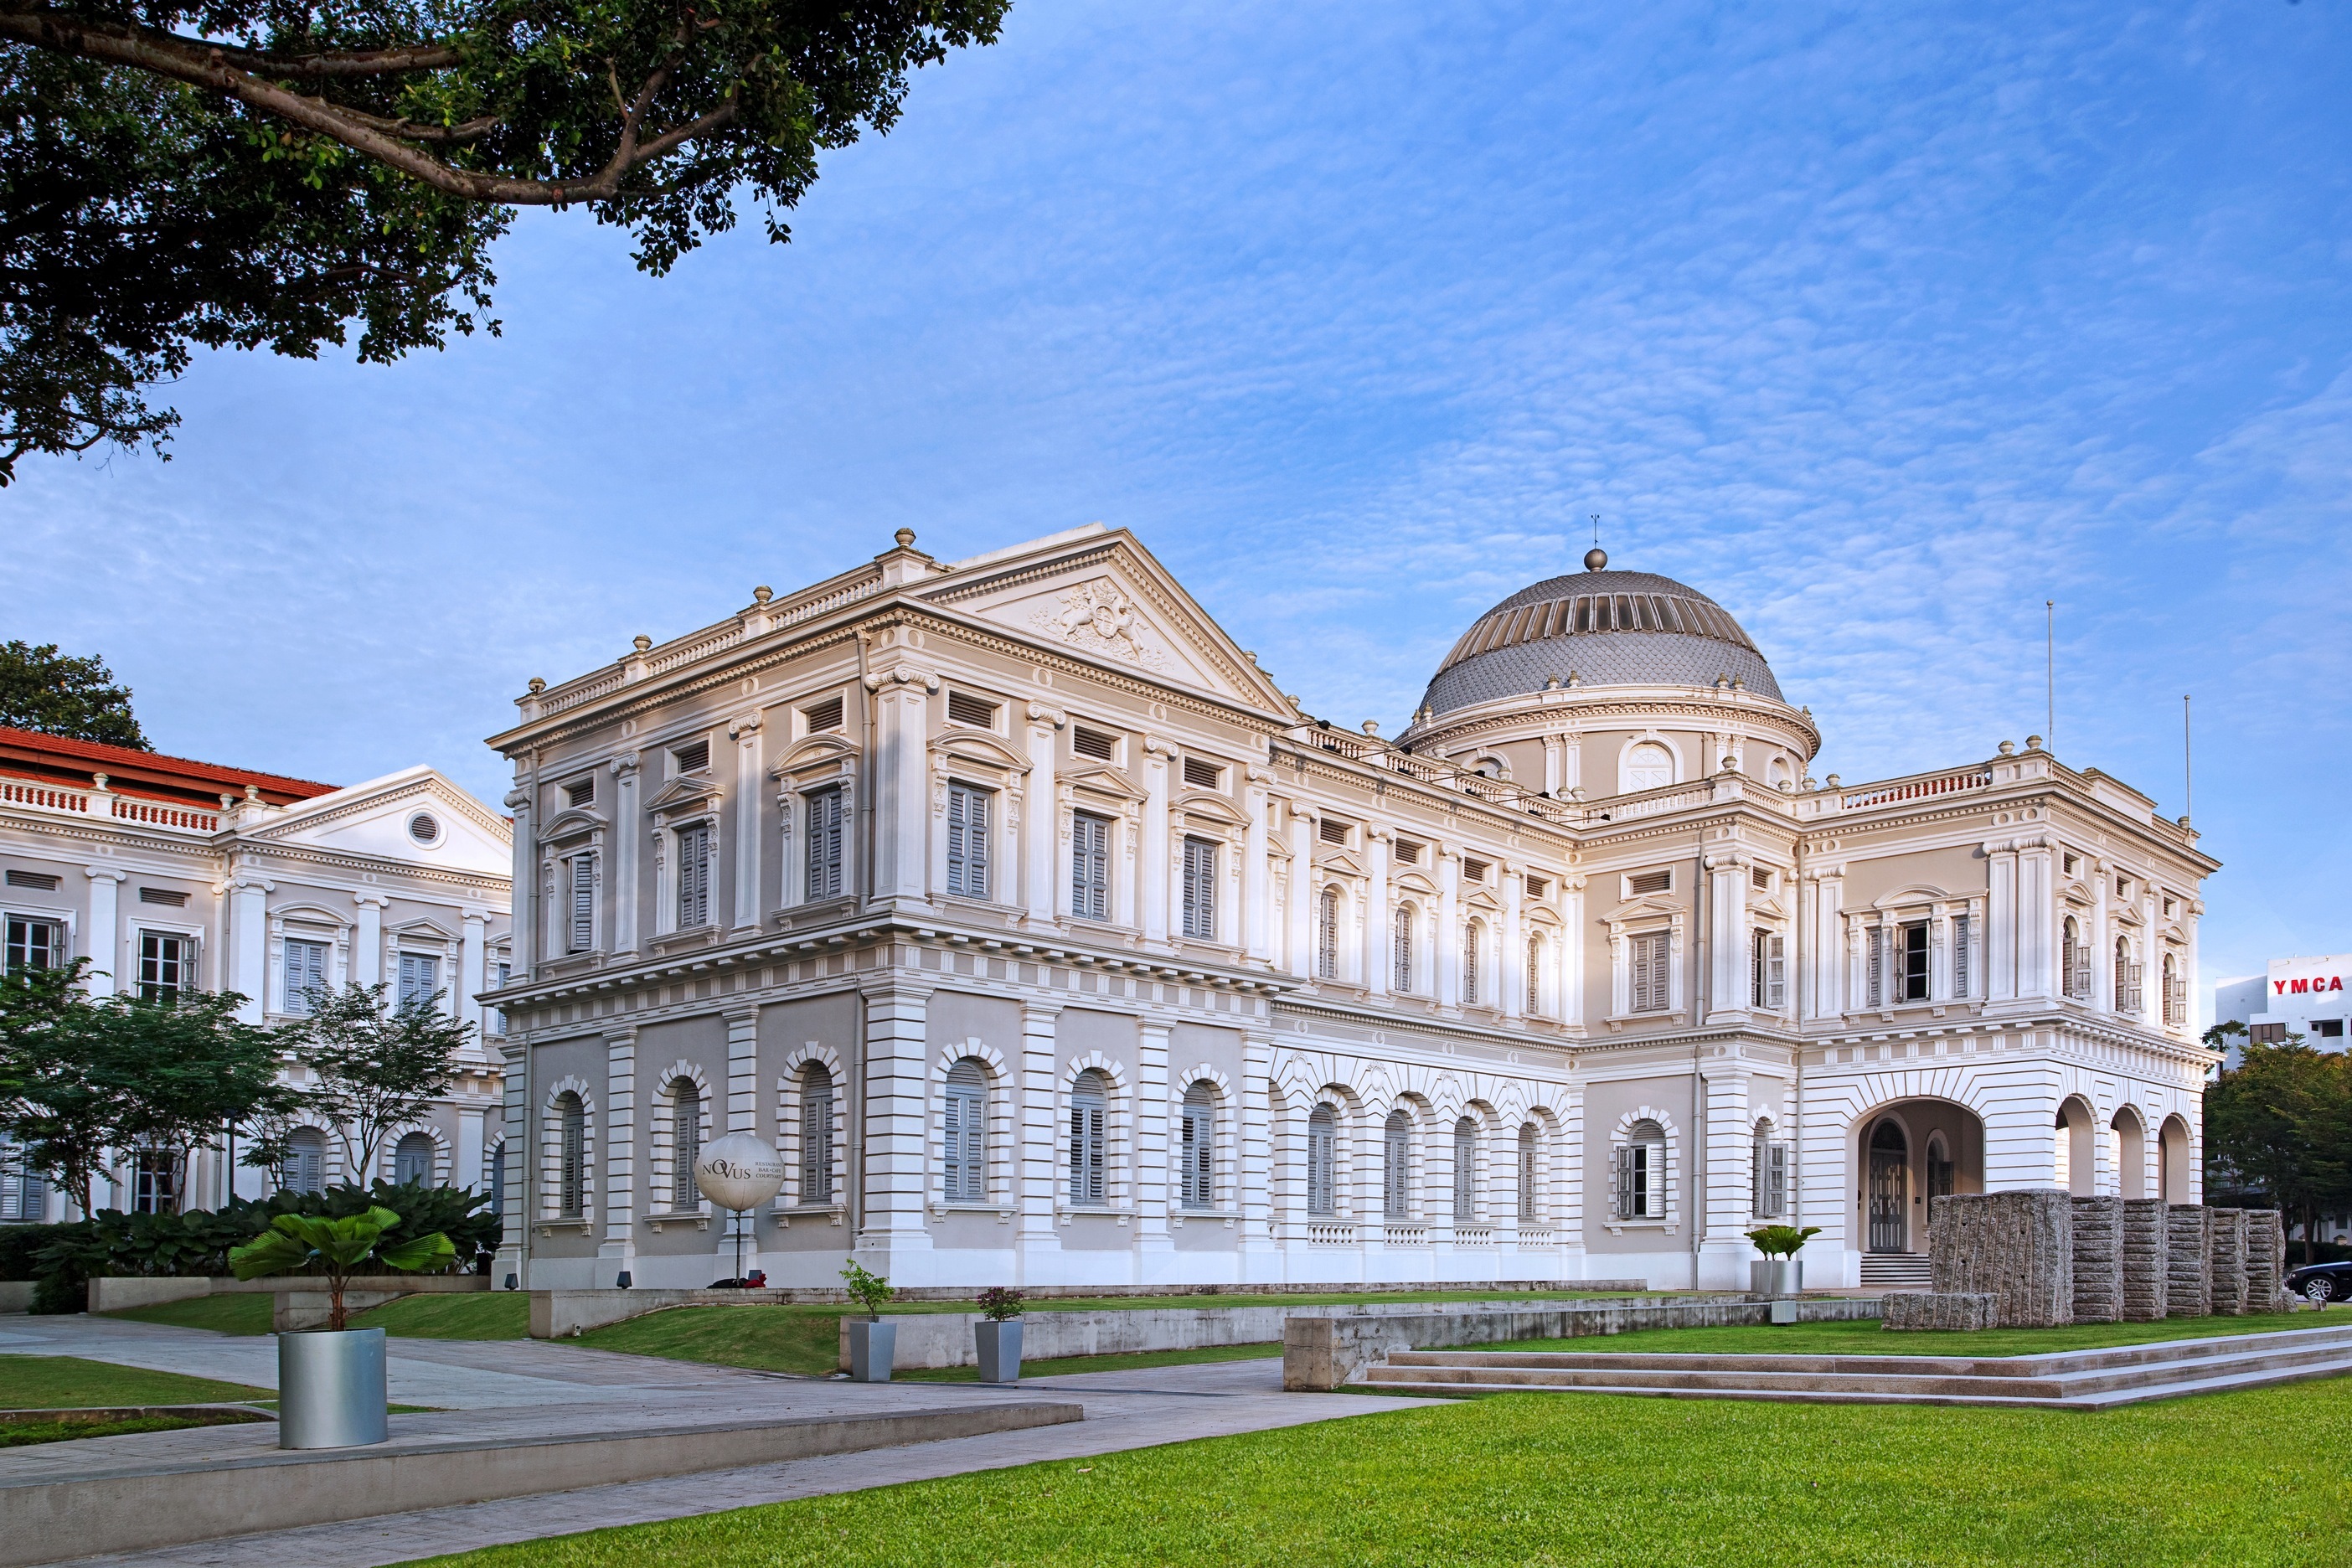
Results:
1609 628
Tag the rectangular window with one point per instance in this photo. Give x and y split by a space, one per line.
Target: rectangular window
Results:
170 897
1093 744
1646 956
820 716
968 841
963 707
1526 1178
580 791
581 936
494 1019
694 876
420 977
816 1144
690 758
24 1197
2266 1034
1475 871
1760 880
1539 886
1200 890
1771 1198
824 844
1087 1185
1644 882
34 943
1091 867
1770 969
1640 1181
1962 980
1202 774
306 972
1408 853
966 1114
1914 961
1322 1164
41 881
1333 831
163 966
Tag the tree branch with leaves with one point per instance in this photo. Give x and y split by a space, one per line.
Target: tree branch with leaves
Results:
377 1067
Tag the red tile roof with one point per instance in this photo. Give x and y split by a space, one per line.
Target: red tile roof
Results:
55 759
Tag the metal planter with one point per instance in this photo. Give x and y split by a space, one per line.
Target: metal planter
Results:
1000 1351
1776 1276
331 1389
871 1347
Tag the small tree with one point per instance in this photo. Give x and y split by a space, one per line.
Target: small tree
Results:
379 1068
339 1246
871 1292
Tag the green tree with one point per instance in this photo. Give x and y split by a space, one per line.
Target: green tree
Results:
378 1068
2276 1124
44 690
174 174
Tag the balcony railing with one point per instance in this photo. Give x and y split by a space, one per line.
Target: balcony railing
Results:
49 799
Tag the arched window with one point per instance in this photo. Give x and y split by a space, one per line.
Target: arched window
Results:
1527 1174
1199 1146
1396 1166
816 1134
1641 1172
572 1158
1327 935
1470 941
1404 915
1535 973
1648 765
685 1143
306 1161
1089 1109
966 1116
412 1159
1322 1160
1465 1171
1768 1174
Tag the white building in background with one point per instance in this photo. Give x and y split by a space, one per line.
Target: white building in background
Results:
1052 943
168 874
2302 996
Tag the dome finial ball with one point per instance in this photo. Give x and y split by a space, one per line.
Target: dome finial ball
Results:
1595 559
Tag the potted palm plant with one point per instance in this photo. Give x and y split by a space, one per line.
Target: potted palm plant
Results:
1780 1273
872 1343
999 1336
331 1381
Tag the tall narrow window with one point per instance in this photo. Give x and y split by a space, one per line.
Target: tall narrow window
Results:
1527 1174
816 1134
2074 962
1465 1171
1769 969
1641 1172
420 982
1470 936
826 860
412 1159
694 876
163 966
1404 947
1963 976
1914 937
1200 890
305 1170
1646 956
1396 1166
1535 973
306 972
571 1158
24 1197
582 937
968 841
1090 1108
494 1019
967 1132
686 1143
36 943
1322 1160
2127 978
1768 1174
1089 866
155 1182
1199 1146
1327 935
1877 979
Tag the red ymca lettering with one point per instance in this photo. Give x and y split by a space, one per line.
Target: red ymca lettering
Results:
2299 986
2279 985
2335 983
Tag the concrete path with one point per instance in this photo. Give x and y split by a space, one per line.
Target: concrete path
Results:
602 1391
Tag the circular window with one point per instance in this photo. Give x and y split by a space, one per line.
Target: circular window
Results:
425 828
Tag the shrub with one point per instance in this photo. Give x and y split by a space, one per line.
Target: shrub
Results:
18 1245
999 1305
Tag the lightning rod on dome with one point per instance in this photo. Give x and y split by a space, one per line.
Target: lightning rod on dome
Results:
1596 557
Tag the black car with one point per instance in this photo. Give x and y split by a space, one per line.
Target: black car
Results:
2322 1282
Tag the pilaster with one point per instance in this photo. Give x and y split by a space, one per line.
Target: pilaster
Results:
1152 1234
1040 829
1038 1085
103 939
1156 891
744 731
367 938
893 1240
621 878
618 1192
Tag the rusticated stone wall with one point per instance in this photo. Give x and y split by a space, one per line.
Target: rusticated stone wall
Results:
1925 1310
2098 1260
2227 1272
2018 1246
2188 1279
2144 1256
2265 1259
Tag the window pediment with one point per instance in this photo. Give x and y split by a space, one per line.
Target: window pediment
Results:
1641 909
1340 861
970 746
1906 897
574 822
817 756
424 930
1413 882
682 793
1772 907
1101 779
1203 806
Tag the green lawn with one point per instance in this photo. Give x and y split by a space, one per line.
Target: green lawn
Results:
2254 1478
237 1314
68 1429
1867 1338
470 1315
69 1383
1060 1366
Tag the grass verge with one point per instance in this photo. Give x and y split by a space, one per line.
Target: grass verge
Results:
2254 1478
70 1428
468 1315
1062 1366
1867 1338
69 1383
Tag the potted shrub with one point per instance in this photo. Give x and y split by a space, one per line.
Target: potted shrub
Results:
873 1341
999 1336
330 1382
1780 1273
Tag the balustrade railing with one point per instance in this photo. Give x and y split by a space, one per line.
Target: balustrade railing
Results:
1330 1233
1919 789
92 803
1405 1235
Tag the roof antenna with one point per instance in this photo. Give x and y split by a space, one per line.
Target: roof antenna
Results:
1596 557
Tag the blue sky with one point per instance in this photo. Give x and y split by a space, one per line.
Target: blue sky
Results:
1880 324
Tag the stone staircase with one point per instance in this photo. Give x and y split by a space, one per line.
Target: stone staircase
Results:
2074 1380
1884 1271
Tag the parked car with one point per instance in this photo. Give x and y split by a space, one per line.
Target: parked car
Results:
2322 1282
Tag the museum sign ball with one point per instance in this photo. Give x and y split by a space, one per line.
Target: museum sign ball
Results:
738 1172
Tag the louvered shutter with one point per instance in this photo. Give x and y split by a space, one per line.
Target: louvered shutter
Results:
1878 966
824 844
1090 868
1961 979
1622 1158
1776 970
1321 1164
584 902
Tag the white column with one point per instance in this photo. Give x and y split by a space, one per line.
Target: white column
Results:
1725 1207
1261 1260
745 731
2000 922
1299 958
1573 952
466 1164
529 924
472 954
1152 1241
249 943
1157 889
617 1193
628 833
1553 784
2037 945
1728 900
1042 892
103 938
367 939
893 1241
1037 1083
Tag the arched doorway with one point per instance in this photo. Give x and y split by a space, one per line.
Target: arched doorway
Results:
1904 1153
1889 1187
2128 1145
2077 1168
2172 1163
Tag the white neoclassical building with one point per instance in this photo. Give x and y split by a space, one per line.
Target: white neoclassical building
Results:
1051 943
170 873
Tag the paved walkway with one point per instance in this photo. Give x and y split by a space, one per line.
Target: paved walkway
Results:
511 1385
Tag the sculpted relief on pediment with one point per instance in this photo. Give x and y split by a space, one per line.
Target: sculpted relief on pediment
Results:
1099 617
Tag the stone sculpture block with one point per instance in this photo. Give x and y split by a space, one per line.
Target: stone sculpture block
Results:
2265 1260
2228 1273
2187 1279
2016 1247
2143 1257
1962 1312
2098 1260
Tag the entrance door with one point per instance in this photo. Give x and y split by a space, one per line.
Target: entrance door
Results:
1890 1189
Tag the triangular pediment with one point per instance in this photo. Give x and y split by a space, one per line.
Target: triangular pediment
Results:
416 816
1098 595
1643 907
